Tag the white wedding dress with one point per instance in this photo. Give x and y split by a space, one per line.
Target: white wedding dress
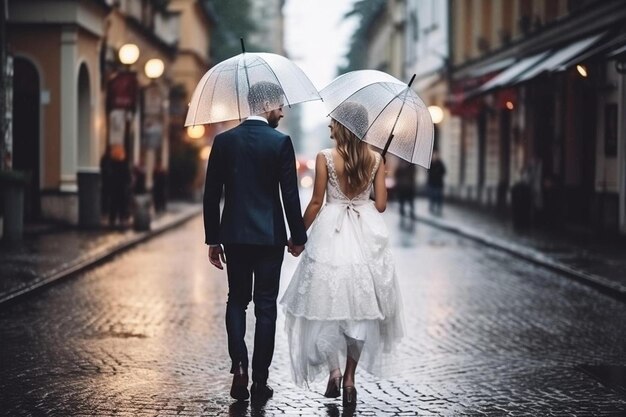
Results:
344 293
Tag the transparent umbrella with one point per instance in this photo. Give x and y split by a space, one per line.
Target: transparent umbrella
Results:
224 92
394 119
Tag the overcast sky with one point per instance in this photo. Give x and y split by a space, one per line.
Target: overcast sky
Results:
316 38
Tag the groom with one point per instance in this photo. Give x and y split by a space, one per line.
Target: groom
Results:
250 163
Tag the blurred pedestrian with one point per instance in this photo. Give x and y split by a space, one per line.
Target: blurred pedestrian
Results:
159 186
343 301
253 165
405 187
435 184
139 179
120 183
105 182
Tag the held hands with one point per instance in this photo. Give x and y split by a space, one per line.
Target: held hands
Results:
295 250
215 254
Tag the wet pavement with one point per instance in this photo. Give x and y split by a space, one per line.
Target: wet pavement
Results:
597 260
143 334
50 252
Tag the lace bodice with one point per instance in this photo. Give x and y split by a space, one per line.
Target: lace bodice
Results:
333 190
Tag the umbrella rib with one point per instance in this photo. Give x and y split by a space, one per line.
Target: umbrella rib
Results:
277 80
237 90
415 147
381 112
430 151
245 67
415 143
400 112
388 144
352 95
195 114
213 92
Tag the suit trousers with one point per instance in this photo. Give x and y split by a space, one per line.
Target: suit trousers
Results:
253 274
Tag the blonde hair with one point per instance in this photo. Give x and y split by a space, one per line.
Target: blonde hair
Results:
358 160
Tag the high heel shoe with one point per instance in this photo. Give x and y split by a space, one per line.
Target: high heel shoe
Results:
349 396
333 388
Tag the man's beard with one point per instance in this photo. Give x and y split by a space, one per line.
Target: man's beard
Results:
273 121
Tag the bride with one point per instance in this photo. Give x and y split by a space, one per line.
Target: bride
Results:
343 302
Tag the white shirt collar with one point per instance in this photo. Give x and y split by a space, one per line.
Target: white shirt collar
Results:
259 118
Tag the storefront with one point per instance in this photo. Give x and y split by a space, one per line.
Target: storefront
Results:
550 119
56 110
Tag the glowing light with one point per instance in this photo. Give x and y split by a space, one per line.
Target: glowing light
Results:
129 54
297 164
310 164
154 68
509 105
195 132
306 181
582 70
205 152
436 114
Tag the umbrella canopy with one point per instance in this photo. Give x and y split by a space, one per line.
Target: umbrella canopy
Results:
223 93
397 120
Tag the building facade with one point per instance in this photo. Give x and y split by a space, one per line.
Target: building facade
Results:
69 82
426 57
537 93
58 114
268 19
532 98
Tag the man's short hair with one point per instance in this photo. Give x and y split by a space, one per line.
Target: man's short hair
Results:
264 91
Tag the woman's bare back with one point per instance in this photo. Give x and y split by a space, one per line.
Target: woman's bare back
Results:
342 178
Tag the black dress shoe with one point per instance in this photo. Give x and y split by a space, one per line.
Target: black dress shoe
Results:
333 389
239 388
349 396
261 391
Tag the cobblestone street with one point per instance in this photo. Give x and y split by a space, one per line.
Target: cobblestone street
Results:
487 334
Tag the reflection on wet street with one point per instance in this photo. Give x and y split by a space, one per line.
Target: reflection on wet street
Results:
406 232
486 334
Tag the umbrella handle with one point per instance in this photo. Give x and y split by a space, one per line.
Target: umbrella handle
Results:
387 147
394 124
243 47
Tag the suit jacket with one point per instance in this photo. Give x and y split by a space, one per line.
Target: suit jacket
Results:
250 164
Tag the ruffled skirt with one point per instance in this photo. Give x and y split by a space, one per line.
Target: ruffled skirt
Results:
343 298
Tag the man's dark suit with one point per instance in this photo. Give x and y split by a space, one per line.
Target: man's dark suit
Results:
251 163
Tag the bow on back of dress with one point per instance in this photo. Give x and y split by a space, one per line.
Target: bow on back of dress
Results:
334 194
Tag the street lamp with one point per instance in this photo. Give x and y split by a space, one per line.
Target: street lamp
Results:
195 132
122 98
152 118
154 68
128 54
436 114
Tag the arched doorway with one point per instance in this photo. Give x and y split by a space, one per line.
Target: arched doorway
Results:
84 118
26 132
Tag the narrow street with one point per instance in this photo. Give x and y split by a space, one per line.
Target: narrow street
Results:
143 334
